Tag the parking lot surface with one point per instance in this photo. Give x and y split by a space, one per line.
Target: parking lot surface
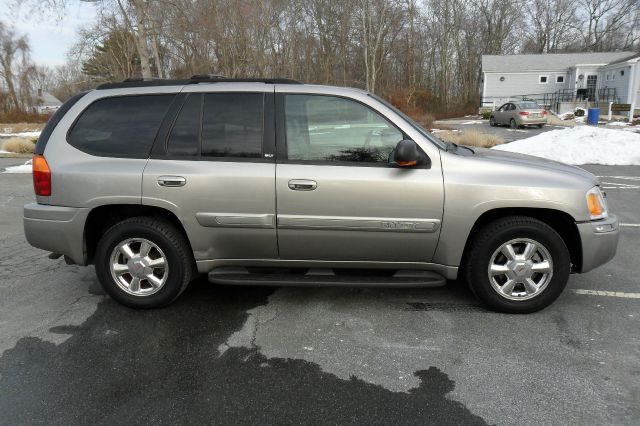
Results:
238 355
482 126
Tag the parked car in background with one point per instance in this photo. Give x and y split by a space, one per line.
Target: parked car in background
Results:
275 182
519 114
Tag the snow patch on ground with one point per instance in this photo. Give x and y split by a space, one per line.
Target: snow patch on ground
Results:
581 145
22 168
617 123
27 135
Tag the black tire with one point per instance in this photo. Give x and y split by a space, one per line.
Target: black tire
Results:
491 237
161 233
540 126
492 121
513 124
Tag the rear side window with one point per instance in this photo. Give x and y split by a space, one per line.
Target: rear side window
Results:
53 122
232 125
123 126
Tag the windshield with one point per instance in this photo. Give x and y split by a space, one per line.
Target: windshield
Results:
528 105
440 144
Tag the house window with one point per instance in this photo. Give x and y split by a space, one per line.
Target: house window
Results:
543 79
608 77
622 73
560 79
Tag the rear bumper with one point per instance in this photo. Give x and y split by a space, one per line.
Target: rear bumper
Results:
599 242
531 121
56 229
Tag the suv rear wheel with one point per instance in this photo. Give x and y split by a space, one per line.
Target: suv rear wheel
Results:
517 264
143 262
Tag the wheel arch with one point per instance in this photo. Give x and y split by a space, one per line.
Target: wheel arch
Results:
103 217
560 221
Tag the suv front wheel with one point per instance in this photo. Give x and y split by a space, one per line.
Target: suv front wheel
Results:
143 262
517 264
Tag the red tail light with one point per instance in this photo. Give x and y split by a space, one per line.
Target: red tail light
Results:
41 176
524 113
544 112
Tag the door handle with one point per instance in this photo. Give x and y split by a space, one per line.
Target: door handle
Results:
171 181
302 185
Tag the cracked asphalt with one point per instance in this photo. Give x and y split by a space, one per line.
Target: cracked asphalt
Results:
251 355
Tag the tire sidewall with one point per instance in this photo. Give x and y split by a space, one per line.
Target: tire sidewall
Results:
479 279
120 232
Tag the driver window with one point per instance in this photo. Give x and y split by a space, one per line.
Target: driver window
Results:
329 128
503 107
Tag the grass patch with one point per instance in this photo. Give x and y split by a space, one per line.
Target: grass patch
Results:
19 145
553 120
471 138
20 127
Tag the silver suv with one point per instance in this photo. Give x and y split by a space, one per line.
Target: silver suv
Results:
279 183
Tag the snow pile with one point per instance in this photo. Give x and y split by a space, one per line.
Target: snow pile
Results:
27 135
23 168
581 145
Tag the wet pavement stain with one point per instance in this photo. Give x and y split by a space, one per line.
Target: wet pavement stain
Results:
445 307
162 366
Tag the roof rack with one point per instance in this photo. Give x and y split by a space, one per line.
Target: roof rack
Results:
195 79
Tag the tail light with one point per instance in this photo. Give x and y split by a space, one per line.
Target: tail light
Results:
41 176
524 113
545 112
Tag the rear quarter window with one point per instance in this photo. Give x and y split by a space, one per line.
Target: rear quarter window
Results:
121 126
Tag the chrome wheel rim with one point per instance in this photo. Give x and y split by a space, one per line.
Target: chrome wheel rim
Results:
520 269
139 267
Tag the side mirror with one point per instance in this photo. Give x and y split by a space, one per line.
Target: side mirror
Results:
407 154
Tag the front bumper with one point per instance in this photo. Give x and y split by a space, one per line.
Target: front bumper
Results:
56 229
599 242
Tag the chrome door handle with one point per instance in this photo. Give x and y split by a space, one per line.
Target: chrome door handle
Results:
302 185
171 181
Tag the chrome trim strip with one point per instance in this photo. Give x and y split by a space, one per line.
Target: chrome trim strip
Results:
357 223
236 220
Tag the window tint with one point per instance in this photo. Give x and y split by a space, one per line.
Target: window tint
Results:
328 128
185 134
232 125
123 126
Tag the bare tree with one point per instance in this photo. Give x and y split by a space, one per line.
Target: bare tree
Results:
14 63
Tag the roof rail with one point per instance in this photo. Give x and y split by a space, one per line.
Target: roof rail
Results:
195 79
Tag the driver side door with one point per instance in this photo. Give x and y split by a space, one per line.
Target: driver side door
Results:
338 198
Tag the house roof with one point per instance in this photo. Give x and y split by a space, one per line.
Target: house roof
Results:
628 58
48 100
548 61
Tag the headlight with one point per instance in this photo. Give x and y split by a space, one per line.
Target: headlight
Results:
596 204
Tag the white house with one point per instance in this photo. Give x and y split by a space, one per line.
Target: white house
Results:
45 103
562 79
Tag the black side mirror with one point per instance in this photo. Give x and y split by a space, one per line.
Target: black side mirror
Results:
407 154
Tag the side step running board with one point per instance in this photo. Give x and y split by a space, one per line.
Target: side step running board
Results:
325 277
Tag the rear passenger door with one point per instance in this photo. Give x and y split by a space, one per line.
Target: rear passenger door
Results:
213 166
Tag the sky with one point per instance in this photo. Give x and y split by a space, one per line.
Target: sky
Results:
50 37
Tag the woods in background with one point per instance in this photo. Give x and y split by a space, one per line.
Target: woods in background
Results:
425 55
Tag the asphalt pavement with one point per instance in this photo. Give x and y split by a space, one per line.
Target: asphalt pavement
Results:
482 126
250 355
